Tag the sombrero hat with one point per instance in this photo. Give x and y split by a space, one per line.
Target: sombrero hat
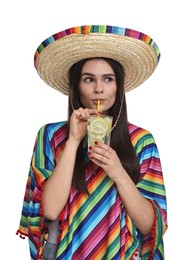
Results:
135 51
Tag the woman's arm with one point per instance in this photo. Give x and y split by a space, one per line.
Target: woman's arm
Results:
57 187
138 208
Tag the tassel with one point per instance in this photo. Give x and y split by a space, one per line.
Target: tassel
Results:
39 253
153 230
61 219
20 234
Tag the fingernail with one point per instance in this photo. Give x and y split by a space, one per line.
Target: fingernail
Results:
96 142
90 147
99 112
89 153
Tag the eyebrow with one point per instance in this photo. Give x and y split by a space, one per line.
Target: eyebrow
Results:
92 75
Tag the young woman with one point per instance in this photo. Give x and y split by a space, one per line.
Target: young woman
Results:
108 203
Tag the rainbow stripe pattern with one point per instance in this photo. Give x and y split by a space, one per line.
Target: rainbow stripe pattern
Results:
96 226
98 29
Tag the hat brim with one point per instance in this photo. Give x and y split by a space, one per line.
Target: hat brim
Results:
138 57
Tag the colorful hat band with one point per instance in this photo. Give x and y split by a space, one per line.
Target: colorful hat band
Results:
98 29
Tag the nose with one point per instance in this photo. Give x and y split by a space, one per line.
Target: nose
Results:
98 88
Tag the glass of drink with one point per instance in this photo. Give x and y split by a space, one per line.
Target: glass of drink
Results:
99 129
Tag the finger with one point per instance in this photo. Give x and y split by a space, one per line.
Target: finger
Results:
96 151
76 112
99 159
79 113
82 113
93 111
103 147
86 111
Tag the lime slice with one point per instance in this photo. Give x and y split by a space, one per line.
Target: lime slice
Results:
99 127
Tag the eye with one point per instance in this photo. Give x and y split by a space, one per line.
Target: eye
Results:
88 79
108 79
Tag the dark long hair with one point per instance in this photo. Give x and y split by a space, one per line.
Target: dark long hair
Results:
120 139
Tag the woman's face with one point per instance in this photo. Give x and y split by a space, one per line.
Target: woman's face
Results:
98 82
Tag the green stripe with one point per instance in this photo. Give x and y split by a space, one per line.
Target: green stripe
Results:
35 221
40 48
39 157
144 141
150 186
113 248
24 221
102 29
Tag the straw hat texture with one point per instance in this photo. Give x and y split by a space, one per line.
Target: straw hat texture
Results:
137 53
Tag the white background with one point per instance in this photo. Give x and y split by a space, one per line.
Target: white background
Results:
26 103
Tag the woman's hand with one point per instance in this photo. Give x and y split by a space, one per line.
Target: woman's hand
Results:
105 157
78 123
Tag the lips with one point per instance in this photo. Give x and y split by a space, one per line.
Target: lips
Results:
96 100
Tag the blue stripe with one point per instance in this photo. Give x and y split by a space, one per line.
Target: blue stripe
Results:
48 41
161 200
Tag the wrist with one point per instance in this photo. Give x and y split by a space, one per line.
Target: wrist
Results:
122 180
72 142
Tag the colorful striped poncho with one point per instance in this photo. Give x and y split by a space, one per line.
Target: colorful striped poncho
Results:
95 226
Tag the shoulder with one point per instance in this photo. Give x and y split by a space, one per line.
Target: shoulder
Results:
51 129
139 136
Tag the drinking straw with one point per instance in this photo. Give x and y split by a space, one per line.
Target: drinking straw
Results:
98 106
